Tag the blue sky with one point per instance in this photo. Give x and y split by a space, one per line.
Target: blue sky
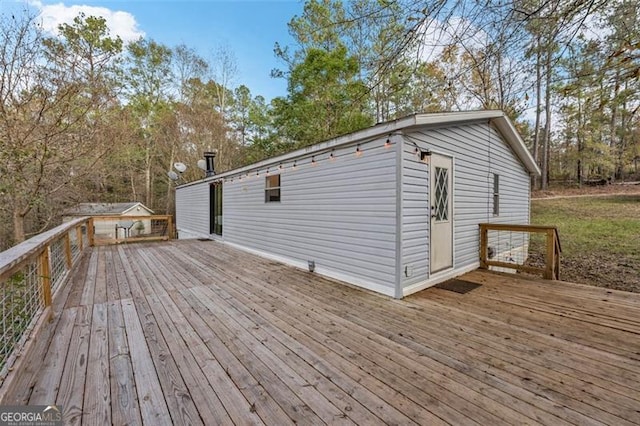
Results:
248 29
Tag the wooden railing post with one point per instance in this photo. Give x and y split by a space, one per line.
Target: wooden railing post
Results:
79 238
170 227
551 254
45 276
67 249
483 247
556 250
551 249
90 233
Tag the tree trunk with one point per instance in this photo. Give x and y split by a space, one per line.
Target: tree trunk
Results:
169 206
579 173
614 119
18 225
581 143
622 140
536 133
544 184
134 193
147 176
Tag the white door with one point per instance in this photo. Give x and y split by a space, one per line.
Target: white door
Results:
441 243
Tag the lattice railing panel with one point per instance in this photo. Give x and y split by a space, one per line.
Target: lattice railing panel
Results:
22 300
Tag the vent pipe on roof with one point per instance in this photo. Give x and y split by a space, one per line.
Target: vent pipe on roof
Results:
209 158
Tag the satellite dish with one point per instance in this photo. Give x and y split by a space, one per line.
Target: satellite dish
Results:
180 167
202 164
172 175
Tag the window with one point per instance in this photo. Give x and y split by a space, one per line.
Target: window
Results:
441 194
272 189
496 194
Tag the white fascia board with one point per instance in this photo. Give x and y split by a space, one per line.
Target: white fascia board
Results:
125 212
351 138
497 117
456 117
502 122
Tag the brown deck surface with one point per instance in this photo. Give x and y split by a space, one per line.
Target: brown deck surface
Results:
192 332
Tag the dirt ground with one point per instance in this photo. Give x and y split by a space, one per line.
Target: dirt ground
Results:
598 268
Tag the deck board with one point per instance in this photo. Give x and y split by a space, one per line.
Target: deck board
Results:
124 401
191 332
97 394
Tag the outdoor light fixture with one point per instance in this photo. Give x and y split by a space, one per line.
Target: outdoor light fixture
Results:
280 166
358 151
313 161
294 165
424 156
387 144
331 156
312 265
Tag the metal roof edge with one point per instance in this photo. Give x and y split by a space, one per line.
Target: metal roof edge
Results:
350 138
503 124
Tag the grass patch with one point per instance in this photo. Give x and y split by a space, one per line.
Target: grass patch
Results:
600 238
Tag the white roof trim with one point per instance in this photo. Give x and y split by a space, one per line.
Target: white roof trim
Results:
500 120
135 206
511 135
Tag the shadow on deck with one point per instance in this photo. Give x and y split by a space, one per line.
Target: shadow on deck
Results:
197 332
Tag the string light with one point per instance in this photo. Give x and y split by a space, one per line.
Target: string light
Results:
282 167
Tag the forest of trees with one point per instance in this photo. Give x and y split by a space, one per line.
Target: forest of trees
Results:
85 117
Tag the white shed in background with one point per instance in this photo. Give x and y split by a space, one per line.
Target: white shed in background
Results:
393 208
113 228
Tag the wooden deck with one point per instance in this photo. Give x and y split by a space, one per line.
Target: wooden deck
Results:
191 332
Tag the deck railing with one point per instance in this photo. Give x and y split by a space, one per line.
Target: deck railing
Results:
30 273
525 248
127 229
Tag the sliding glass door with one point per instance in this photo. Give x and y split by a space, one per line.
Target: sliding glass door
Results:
215 208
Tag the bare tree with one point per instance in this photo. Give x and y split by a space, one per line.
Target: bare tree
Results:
46 118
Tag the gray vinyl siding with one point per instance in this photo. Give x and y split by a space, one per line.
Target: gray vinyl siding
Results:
192 211
339 213
478 151
415 217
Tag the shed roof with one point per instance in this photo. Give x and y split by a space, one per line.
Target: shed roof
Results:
496 117
104 209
